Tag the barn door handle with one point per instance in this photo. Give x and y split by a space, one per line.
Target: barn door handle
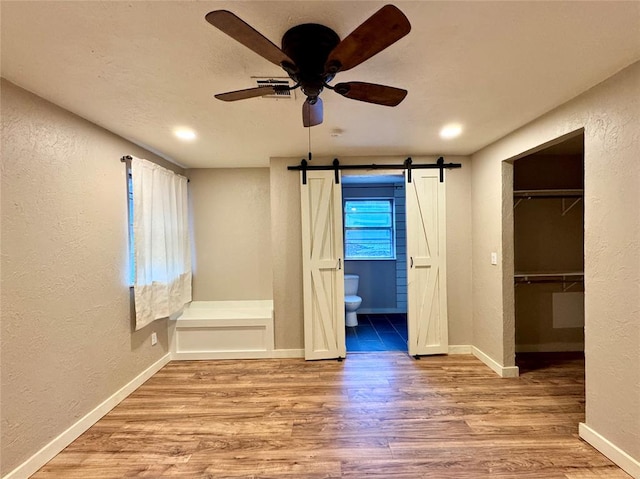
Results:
339 263
411 261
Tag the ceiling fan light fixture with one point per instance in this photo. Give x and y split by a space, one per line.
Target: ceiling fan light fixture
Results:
450 131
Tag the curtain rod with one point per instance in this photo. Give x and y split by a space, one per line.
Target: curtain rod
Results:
406 165
129 158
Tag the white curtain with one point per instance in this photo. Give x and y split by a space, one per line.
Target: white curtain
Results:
161 244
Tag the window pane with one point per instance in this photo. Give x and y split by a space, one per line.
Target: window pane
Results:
368 206
368 213
364 220
368 235
368 250
369 231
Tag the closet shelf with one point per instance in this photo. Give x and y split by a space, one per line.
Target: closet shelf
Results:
548 193
567 278
547 274
569 198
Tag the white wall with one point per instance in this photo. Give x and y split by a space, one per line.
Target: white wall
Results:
610 116
67 339
230 217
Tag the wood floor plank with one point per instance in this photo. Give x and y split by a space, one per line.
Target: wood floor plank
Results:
380 415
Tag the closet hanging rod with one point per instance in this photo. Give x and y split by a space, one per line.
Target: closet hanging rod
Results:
406 165
548 280
569 193
568 277
566 283
559 274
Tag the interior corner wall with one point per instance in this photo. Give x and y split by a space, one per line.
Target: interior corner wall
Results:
610 116
286 238
459 252
67 340
231 227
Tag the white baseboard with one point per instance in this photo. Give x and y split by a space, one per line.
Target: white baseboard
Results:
614 453
211 355
48 452
502 371
459 349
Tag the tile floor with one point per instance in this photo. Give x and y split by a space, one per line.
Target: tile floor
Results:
378 332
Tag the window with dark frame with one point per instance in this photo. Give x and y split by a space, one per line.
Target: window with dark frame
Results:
369 228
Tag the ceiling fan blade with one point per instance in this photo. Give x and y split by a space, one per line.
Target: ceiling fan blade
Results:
312 113
382 29
372 93
248 93
244 33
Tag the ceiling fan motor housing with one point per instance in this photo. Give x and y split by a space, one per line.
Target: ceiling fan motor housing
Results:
309 45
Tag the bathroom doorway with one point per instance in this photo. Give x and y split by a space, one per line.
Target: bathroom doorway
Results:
375 250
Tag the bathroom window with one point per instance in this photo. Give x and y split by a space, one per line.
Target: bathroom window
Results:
369 231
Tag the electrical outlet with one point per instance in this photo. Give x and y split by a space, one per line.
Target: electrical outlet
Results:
154 339
494 258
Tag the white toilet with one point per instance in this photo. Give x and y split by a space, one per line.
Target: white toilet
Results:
351 299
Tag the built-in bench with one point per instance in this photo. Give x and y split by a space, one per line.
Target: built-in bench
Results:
223 330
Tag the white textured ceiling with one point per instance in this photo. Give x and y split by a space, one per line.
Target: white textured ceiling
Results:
141 68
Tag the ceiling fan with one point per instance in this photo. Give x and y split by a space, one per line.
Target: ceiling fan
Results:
312 54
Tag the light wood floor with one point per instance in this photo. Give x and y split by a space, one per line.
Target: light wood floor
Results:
376 415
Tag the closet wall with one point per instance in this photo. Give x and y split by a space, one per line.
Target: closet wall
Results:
549 251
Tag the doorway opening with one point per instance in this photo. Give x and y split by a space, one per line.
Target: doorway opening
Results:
375 250
548 225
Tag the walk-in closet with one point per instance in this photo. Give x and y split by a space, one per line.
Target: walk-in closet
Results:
549 249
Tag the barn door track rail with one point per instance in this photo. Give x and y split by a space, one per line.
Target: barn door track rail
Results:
406 165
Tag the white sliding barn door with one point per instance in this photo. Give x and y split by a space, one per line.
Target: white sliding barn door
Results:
323 276
426 255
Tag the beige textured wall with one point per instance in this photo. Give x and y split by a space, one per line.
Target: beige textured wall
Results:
67 339
610 116
231 225
286 237
287 251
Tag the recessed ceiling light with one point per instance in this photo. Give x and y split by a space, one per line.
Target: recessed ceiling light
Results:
451 131
185 134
